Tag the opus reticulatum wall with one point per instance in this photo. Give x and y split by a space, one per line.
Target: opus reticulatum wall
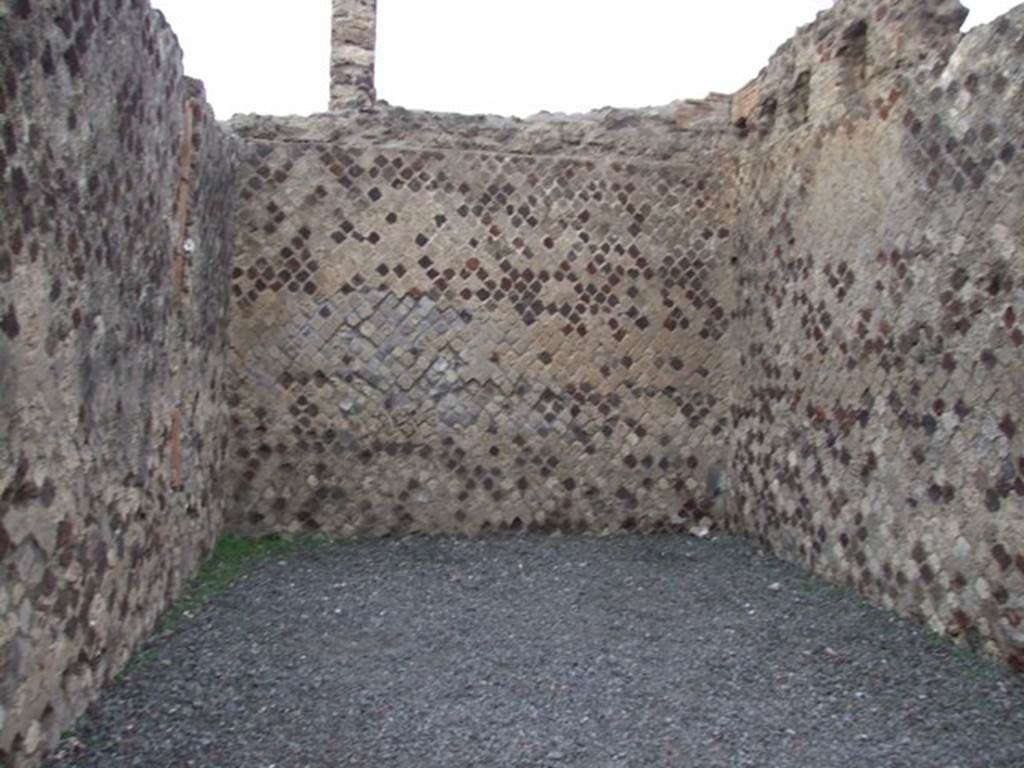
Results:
427 338
878 414
795 312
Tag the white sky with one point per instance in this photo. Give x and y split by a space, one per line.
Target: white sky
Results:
513 57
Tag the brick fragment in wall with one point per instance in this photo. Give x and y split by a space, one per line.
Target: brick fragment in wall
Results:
175 450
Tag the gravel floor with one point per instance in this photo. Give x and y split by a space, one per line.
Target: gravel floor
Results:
535 651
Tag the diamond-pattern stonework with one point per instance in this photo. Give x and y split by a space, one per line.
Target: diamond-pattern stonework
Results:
462 341
796 311
878 417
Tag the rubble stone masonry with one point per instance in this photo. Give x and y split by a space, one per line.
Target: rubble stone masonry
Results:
116 197
353 50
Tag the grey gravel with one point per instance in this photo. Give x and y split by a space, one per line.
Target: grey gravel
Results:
537 651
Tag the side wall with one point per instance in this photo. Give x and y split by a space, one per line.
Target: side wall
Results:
116 185
477 327
878 415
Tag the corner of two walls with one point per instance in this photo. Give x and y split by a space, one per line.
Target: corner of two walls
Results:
117 189
810 329
877 418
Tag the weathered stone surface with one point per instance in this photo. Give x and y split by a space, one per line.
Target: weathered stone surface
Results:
114 204
442 340
881 285
353 44
655 133
796 311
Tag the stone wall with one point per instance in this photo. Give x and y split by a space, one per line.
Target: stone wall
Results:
877 416
115 201
457 324
797 311
856 306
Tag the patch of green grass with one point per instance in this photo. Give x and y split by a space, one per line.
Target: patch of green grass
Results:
972 658
833 593
73 739
968 654
231 557
140 659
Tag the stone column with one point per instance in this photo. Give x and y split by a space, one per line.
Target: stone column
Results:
353 39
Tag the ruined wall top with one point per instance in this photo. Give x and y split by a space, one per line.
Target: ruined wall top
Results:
847 46
353 40
654 133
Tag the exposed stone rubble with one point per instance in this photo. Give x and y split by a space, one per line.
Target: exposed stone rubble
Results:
795 312
654 133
